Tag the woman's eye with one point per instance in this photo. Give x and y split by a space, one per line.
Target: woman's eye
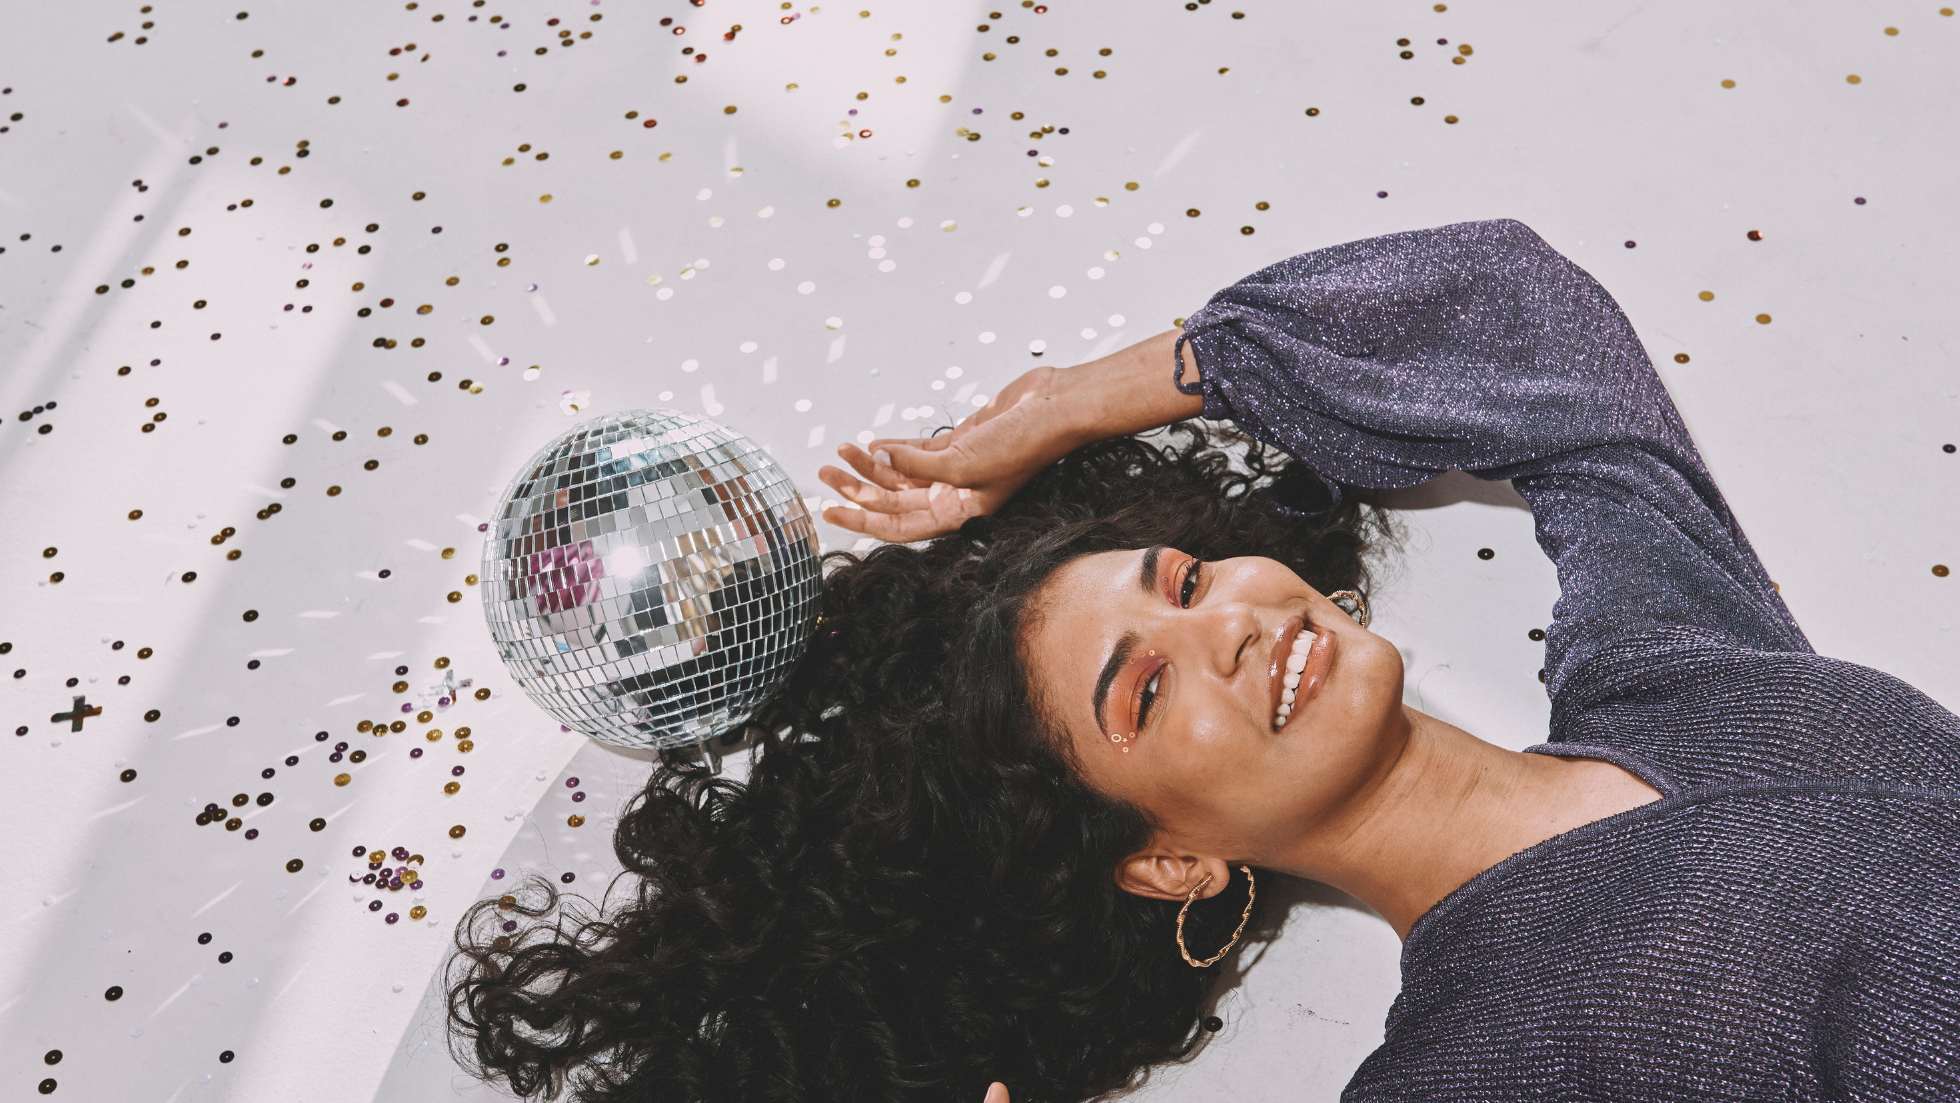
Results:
1190 586
1147 698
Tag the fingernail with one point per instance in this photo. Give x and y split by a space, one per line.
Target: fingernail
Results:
936 491
883 457
849 492
965 493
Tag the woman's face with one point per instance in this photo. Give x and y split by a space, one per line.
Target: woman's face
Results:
1167 676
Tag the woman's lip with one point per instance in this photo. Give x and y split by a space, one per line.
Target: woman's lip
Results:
1320 658
1282 646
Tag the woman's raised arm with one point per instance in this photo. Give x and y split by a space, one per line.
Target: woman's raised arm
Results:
1478 347
915 489
1381 364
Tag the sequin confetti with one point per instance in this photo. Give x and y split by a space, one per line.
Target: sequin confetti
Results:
356 313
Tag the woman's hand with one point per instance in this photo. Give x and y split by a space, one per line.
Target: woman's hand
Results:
996 1093
926 486
920 488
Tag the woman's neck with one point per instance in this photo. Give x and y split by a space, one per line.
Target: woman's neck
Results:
1449 807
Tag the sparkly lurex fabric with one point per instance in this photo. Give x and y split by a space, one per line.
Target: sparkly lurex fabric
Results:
1785 923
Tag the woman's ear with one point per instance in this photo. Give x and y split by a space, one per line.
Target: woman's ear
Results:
1161 875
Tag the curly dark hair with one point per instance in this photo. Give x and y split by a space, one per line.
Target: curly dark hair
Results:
912 894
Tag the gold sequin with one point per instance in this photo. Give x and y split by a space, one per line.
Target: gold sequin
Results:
342 779
453 788
417 912
1762 319
575 821
1707 296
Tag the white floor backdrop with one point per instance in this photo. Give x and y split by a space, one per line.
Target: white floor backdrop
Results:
765 256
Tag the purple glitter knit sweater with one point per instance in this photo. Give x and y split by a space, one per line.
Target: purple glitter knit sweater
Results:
1785 923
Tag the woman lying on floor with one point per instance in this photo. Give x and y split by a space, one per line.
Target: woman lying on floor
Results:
1028 773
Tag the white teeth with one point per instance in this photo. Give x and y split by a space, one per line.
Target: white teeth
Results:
1296 661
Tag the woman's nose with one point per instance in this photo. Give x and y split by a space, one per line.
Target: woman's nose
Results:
1231 630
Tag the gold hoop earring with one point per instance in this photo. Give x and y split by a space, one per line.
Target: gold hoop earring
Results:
1252 893
1360 610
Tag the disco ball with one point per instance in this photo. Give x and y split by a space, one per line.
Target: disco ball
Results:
650 578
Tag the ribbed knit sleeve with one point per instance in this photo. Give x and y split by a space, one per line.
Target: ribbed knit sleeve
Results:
1477 347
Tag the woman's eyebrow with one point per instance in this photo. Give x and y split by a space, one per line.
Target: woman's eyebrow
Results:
1125 647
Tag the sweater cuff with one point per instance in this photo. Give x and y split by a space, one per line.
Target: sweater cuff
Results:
1216 408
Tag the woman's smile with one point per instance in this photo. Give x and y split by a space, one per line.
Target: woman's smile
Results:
1302 658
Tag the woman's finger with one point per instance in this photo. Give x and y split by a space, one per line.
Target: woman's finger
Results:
928 444
871 468
946 464
996 1093
893 528
877 498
